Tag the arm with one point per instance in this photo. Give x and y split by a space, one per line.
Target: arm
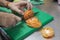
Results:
4 3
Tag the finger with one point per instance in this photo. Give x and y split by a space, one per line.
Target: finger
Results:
21 2
29 6
22 8
17 18
24 3
18 10
15 8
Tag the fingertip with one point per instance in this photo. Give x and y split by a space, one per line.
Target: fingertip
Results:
29 6
18 18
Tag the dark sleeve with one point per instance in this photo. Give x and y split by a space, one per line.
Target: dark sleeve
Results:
10 0
4 35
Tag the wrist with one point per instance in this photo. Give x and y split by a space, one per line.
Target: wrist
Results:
4 3
7 3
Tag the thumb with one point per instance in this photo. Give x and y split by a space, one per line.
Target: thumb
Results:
14 7
18 10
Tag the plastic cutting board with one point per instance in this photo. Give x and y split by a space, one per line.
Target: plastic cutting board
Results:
21 30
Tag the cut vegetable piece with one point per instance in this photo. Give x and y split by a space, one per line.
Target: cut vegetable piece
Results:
33 22
47 32
28 14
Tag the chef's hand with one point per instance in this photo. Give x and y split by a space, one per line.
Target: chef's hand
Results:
18 6
7 20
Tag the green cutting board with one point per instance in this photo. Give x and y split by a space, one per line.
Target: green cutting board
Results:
21 30
37 2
